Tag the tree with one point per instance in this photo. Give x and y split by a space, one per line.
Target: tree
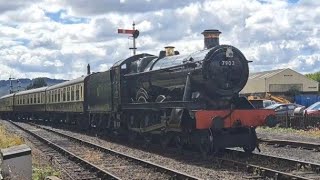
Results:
314 76
37 83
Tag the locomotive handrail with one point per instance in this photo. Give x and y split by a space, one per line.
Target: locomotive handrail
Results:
170 69
165 105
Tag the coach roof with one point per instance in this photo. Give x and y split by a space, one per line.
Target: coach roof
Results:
68 83
42 89
6 96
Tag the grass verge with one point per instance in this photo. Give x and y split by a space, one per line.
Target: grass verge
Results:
40 168
7 139
41 172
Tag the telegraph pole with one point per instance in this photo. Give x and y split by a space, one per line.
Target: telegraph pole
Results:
11 87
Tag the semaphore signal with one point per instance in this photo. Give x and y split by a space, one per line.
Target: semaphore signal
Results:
134 33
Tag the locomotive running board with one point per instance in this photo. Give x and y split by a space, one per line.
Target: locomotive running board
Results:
165 105
149 128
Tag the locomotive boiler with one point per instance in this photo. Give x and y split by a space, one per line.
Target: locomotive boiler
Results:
215 74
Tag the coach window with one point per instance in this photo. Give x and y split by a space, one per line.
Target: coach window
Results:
59 94
55 95
39 98
72 93
34 98
23 100
64 94
81 95
77 93
68 94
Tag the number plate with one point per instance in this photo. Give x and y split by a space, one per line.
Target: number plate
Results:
227 63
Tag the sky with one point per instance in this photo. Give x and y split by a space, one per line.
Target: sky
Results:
58 38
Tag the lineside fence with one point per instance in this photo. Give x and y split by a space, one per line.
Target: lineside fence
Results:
299 121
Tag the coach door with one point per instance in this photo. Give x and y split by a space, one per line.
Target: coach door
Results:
116 94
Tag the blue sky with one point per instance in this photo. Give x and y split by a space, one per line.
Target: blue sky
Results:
57 17
58 38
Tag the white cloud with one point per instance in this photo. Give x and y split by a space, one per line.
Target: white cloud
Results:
273 33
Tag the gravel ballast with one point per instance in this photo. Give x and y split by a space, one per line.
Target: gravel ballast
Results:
269 133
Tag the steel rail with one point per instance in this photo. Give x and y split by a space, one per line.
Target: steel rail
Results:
174 173
315 167
100 172
298 144
262 171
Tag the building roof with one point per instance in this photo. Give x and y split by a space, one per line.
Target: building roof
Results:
265 74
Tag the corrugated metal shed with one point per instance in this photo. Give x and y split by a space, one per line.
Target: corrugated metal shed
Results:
265 74
280 80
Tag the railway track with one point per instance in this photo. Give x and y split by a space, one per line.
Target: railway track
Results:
69 166
109 163
296 144
276 166
293 169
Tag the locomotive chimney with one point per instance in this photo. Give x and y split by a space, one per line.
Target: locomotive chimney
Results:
169 50
88 69
211 38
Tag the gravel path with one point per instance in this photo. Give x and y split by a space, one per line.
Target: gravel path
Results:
190 167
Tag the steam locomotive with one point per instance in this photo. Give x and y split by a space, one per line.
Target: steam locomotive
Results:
188 99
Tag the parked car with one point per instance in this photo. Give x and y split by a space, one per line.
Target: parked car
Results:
284 109
313 110
261 103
